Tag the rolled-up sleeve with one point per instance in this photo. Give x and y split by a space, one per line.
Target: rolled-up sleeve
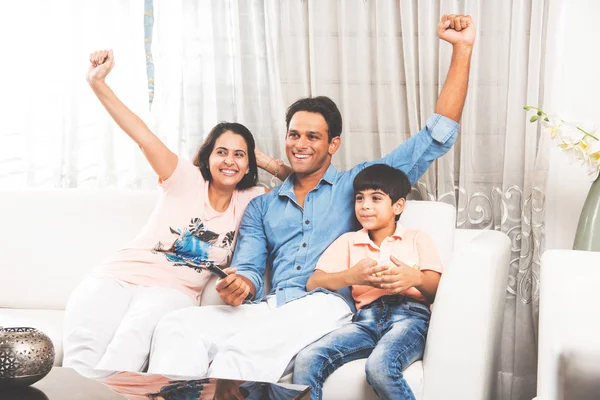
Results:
250 255
416 154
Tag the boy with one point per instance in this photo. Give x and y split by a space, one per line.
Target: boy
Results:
390 326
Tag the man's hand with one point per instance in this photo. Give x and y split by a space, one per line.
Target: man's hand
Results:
400 277
102 63
457 29
232 289
364 273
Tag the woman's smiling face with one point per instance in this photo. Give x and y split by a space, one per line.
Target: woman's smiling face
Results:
228 162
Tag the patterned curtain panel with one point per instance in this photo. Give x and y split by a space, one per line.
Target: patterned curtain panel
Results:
148 25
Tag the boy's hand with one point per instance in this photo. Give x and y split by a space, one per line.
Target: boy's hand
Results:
457 29
233 290
363 273
400 277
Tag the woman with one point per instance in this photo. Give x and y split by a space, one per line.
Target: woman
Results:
111 315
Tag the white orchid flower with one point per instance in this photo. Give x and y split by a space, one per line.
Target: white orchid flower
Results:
579 142
553 125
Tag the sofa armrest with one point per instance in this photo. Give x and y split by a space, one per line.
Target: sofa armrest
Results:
569 317
466 324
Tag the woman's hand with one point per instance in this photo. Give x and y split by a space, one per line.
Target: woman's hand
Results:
162 160
274 167
102 63
261 158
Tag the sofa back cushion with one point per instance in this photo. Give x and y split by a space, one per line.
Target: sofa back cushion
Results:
51 239
438 220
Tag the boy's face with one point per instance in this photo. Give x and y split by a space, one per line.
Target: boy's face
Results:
374 209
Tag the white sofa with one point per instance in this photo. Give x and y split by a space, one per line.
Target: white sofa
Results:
50 239
569 326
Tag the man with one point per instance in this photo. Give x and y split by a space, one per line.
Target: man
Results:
289 228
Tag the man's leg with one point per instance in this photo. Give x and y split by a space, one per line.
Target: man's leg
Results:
93 313
319 360
186 341
400 346
261 352
130 346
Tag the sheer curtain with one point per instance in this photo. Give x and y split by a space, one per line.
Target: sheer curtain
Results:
383 64
216 61
53 130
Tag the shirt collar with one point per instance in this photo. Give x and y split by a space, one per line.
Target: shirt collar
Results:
287 187
362 236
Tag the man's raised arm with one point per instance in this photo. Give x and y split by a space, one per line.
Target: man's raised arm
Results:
416 154
459 31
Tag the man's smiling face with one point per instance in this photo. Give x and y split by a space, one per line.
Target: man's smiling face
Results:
307 144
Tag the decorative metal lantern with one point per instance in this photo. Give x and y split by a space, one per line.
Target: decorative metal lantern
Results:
26 356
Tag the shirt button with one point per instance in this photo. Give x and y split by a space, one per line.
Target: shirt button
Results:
303 244
307 222
298 268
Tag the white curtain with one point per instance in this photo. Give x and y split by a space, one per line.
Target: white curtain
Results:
384 66
53 131
216 61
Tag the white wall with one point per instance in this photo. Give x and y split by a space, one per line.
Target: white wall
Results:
577 98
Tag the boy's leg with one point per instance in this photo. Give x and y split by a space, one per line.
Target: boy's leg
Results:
261 352
319 360
130 346
93 313
400 346
187 340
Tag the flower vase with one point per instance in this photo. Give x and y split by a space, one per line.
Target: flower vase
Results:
587 236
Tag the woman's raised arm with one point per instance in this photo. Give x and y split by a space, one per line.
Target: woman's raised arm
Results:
162 160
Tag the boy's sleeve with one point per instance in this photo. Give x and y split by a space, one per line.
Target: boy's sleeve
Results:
337 256
429 258
250 255
415 155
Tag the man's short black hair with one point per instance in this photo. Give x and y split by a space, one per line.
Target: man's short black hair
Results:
389 180
321 105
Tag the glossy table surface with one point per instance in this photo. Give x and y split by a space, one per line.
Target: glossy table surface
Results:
67 384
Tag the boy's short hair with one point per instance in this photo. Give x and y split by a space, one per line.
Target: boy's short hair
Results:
389 180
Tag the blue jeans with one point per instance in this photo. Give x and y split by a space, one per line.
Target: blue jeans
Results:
390 333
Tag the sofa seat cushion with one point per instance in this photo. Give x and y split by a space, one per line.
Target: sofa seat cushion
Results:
349 382
48 321
351 378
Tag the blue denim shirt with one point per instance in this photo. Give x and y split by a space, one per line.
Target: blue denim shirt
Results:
276 230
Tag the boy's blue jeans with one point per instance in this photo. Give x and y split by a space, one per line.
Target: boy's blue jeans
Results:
390 333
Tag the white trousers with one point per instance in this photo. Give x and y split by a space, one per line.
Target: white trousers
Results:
109 323
250 342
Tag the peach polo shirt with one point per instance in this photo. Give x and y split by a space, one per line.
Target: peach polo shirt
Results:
412 247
